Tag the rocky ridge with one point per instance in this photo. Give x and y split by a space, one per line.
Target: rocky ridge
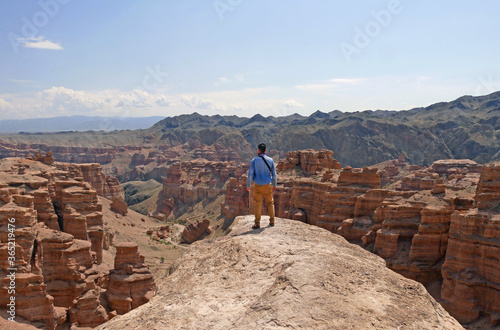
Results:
422 221
292 275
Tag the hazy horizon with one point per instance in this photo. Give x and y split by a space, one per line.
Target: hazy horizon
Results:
130 59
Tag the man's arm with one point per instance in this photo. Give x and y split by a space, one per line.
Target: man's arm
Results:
251 172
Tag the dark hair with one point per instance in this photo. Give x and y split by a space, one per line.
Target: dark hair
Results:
262 147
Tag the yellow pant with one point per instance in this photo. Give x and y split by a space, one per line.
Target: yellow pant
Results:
260 192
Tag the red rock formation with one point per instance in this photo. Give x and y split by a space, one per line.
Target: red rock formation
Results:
190 182
488 189
118 205
63 154
196 230
451 166
32 300
58 243
45 209
471 281
60 257
159 233
236 201
131 284
105 186
47 159
471 270
86 310
408 225
310 161
364 177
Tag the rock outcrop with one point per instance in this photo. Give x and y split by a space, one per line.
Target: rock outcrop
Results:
118 205
190 182
292 275
131 284
406 220
471 281
236 201
194 231
310 161
53 219
106 186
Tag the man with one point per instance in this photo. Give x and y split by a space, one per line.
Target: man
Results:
263 172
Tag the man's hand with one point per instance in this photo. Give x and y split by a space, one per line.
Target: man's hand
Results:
248 189
274 188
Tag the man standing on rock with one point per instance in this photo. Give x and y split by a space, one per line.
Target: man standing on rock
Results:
263 172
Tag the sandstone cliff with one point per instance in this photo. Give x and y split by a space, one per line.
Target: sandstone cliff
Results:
414 220
59 240
471 271
190 182
292 275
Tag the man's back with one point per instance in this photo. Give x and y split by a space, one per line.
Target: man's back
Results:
260 172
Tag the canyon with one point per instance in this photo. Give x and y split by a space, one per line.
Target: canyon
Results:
419 188
52 226
437 225
292 275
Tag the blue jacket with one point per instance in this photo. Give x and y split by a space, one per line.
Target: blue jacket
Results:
259 172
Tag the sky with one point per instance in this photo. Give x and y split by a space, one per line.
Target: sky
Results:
242 57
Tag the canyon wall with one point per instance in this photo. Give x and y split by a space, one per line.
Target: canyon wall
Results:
471 271
189 182
51 217
429 224
123 162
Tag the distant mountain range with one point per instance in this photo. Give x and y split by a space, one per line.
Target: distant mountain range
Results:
468 127
76 123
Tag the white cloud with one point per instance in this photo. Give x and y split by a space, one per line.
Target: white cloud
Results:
238 78
4 105
224 80
163 101
6 109
194 101
39 43
331 84
135 99
65 100
292 104
345 94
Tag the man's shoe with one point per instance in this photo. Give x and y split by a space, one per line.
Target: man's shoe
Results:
255 226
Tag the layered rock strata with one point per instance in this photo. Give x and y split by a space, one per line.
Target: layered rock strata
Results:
190 182
415 221
131 284
471 271
51 217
